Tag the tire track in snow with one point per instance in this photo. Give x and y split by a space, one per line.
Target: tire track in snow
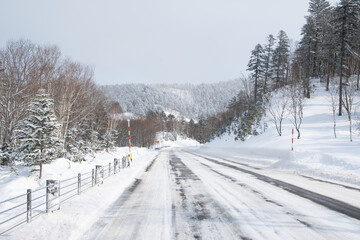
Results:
259 194
325 201
116 213
197 206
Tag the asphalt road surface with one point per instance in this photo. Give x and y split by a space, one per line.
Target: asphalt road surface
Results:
183 195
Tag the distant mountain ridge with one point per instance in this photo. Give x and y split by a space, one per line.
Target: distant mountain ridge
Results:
188 100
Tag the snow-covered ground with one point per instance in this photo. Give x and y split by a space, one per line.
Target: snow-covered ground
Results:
78 213
172 194
89 204
316 154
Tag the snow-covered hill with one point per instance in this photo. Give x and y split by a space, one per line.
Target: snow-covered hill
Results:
191 101
316 154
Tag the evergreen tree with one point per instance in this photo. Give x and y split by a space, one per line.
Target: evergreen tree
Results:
109 140
320 11
75 145
306 54
346 29
268 53
256 67
37 139
90 137
280 60
5 154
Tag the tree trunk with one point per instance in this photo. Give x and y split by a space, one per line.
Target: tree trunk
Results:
358 76
298 131
334 117
41 166
350 130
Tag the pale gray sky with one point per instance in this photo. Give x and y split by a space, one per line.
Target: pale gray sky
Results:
154 41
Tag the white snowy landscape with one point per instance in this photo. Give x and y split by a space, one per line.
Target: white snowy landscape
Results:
180 120
188 193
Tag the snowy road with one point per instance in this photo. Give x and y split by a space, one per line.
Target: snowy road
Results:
187 196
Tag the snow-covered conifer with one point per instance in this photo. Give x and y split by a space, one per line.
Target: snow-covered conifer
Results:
256 67
37 138
280 60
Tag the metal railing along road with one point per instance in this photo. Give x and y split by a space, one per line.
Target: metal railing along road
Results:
26 207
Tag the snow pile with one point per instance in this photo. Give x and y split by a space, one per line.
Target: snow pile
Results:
317 153
60 169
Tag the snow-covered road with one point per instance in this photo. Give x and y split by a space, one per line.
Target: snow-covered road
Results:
187 196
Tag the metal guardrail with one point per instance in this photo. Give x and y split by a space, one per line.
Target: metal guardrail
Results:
26 207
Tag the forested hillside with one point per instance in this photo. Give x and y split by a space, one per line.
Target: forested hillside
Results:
191 101
329 50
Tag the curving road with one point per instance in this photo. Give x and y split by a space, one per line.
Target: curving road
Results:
182 195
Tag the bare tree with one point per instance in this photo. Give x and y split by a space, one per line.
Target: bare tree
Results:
48 60
247 88
297 102
278 108
114 112
73 94
18 61
333 90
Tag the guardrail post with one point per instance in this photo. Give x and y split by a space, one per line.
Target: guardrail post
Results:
52 189
28 206
99 174
123 162
93 178
109 169
115 165
79 183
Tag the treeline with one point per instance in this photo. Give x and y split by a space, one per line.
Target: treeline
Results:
329 49
79 105
50 107
330 46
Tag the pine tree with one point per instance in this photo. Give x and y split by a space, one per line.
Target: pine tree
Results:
320 11
281 59
268 53
37 139
306 54
90 137
256 67
346 29
75 145
109 140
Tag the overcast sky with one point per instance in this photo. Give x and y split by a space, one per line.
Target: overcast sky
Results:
154 41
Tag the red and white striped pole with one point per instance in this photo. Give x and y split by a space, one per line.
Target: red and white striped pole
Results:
292 140
129 136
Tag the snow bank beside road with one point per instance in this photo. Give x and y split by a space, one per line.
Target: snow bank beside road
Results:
78 213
